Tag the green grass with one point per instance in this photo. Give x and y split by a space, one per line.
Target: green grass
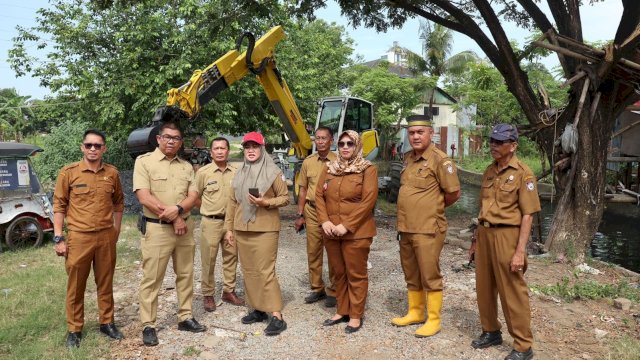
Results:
32 312
625 348
588 289
386 207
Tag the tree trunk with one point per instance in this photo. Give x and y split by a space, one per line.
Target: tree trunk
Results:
581 204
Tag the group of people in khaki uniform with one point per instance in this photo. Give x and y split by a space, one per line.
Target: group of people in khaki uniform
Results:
239 209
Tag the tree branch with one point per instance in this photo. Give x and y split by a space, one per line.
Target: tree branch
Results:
541 20
431 16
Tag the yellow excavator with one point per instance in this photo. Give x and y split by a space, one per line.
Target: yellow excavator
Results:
185 103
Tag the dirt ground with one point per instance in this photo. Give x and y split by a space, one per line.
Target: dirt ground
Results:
581 329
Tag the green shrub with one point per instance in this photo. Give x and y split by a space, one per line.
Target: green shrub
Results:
62 147
589 290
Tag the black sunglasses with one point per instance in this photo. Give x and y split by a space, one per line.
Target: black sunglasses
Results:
88 146
346 143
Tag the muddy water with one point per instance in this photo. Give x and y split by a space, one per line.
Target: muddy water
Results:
617 240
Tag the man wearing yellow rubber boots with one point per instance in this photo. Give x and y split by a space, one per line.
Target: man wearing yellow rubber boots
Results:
428 183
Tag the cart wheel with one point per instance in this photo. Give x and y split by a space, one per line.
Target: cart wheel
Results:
24 232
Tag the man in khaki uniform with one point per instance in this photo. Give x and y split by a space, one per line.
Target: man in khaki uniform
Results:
428 184
213 183
89 195
307 215
509 198
164 185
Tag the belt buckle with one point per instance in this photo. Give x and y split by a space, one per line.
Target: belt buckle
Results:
486 224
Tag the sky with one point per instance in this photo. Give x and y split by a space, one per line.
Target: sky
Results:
369 44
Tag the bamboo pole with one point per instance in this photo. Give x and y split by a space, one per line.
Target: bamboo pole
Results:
574 78
583 96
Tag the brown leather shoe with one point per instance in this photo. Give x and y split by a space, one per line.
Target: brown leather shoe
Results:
232 298
209 304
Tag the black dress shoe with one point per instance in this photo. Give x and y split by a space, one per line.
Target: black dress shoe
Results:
254 317
149 337
111 331
350 329
275 327
331 322
191 325
330 301
315 296
73 339
487 339
517 355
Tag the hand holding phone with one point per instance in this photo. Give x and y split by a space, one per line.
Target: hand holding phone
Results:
254 192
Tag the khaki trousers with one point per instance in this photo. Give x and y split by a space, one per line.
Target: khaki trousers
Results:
315 250
348 257
494 250
258 253
160 243
420 259
211 239
97 248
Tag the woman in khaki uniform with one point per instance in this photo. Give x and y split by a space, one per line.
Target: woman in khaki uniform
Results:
253 223
345 197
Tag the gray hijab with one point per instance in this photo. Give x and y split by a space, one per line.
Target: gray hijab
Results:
258 174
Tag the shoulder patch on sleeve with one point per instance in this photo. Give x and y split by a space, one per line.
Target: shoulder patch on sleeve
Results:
530 185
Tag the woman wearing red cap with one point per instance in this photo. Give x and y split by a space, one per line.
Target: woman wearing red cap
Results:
253 223
345 197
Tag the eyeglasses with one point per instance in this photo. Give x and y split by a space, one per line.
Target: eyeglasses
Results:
499 142
250 146
88 146
348 144
168 138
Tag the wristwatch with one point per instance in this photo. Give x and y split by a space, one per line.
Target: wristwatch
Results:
180 209
58 238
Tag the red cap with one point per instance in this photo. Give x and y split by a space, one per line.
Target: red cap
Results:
255 137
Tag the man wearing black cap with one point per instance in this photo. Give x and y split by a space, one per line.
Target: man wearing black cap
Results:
428 184
509 198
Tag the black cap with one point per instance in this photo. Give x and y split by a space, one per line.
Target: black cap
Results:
418 120
504 132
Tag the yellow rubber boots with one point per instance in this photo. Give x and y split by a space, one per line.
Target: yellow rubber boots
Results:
434 306
415 314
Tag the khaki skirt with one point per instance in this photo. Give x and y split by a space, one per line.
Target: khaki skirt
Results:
258 252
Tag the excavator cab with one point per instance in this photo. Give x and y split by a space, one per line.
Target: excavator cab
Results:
340 113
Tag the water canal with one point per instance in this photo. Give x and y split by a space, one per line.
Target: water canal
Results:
617 240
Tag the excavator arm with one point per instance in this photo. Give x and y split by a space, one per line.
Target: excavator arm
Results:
186 102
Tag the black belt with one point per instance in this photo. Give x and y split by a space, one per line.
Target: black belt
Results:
158 221
490 225
217 217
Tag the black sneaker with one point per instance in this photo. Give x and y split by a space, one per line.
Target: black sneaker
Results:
315 296
275 327
254 317
330 301
149 337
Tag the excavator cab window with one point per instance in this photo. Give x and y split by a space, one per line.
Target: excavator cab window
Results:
330 116
357 116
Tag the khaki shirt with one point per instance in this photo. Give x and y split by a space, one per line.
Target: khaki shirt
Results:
214 186
423 183
88 199
168 180
267 218
507 195
310 172
349 200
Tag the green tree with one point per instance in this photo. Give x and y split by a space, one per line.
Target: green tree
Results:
607 91
118 59
15 114
394 97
